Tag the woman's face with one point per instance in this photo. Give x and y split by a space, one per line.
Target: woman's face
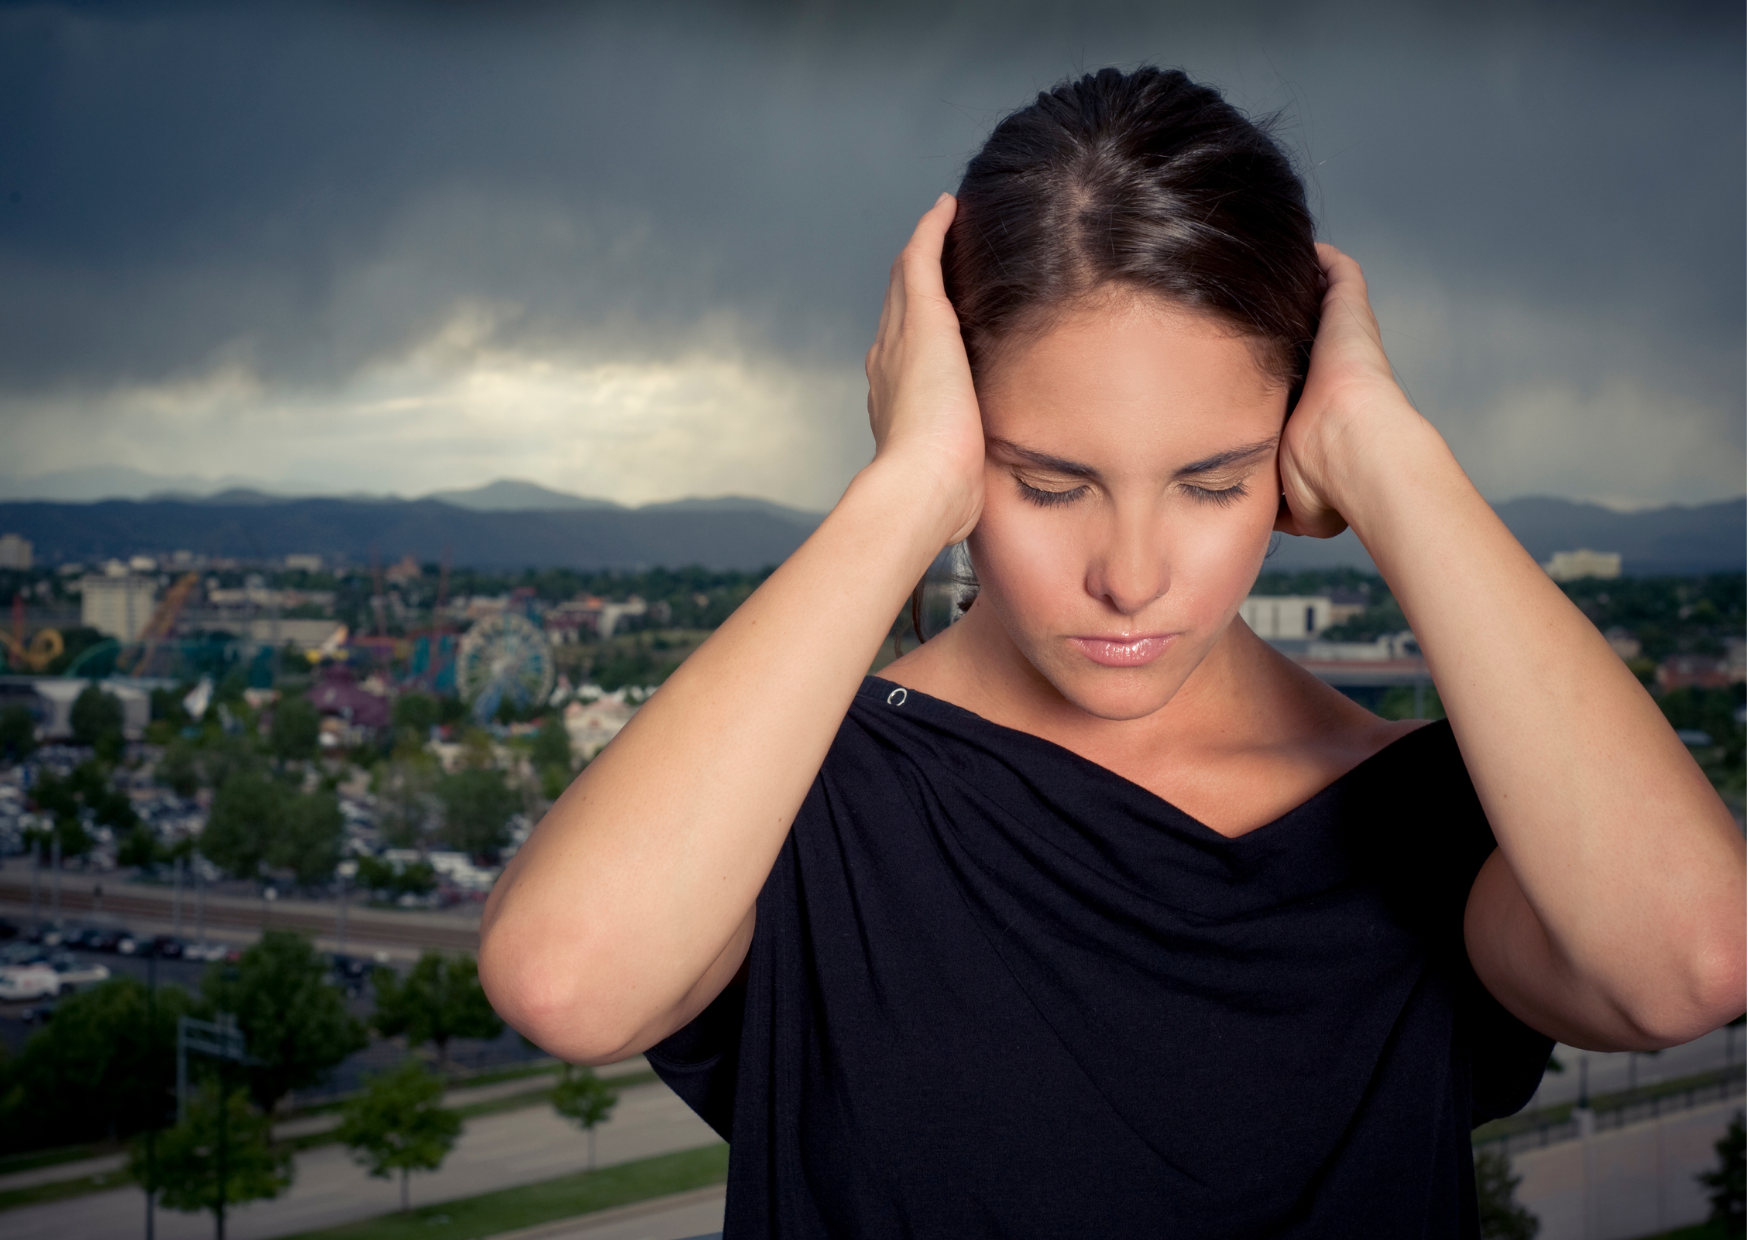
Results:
1130 490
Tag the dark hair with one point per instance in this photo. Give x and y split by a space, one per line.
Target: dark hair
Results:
1142 180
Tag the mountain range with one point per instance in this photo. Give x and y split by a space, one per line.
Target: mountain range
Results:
514 524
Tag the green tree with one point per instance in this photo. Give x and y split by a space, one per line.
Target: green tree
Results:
185 1170
141 849
1501 1216
1726 1181
399 1124
97 720
104 1067
308 841
178 770
477 805
586 1100
86 794
295 1023
406 799
393 878
17 733
246 816
440 999
416 713
296 732
552 744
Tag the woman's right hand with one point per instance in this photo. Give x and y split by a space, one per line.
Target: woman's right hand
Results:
922 406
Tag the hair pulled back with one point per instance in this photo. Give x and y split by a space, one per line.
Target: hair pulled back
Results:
1139 181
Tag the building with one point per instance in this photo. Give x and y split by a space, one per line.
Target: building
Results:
117 605
303 562
1287 617
15 552
1575 565
50 699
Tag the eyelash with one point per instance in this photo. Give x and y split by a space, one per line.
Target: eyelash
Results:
1050 499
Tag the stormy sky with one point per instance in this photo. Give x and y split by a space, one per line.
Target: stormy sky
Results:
636 251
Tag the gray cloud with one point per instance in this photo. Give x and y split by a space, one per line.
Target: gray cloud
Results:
1547 200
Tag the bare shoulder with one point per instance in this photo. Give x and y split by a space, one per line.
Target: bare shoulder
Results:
1318 717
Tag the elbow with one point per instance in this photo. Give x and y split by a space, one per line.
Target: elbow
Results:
545 995
1705 992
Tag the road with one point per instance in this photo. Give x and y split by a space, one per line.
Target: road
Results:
494 1152
1609 1072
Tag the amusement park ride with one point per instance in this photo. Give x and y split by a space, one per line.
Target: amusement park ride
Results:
502 657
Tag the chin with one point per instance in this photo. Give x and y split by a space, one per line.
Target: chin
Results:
1118 694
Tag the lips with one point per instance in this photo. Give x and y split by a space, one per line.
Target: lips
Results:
1123 651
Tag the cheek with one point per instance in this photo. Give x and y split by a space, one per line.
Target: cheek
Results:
1031 559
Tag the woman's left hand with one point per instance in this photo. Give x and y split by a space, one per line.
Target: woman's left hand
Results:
1350 406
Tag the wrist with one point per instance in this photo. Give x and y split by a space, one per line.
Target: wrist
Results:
913 501
1387 464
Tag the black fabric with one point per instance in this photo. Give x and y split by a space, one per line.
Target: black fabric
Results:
998 990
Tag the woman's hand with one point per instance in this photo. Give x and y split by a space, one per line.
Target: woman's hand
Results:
1350 407
921 403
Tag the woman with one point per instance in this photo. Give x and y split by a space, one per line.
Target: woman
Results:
1095 916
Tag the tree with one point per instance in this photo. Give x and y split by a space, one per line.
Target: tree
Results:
1726 1181
406 798
97 720
394 878
586 1100
440 999
1501 1217
241 825
308 842
141 849
416 713
105 1067
552 744
85 793
295 1023
17 733
257 822
296 732
399 1124
185 1170
477 804
177 769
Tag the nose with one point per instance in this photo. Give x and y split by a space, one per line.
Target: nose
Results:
1131 569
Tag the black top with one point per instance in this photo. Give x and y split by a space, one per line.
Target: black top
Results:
996 989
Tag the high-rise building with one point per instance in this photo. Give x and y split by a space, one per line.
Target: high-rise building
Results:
15 552
117 606
1575 565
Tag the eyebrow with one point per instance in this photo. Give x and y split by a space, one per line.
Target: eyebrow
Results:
1057 464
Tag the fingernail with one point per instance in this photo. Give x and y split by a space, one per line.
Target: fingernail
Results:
943 198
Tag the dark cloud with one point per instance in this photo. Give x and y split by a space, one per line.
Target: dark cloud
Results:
308 187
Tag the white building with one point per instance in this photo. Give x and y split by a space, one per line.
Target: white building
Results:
1289 617
15 552
1573 565
117 606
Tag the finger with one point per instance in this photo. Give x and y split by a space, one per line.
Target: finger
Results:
921 258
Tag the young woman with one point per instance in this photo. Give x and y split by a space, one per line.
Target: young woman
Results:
1094 915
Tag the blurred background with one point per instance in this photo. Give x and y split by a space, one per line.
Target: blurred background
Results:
392 394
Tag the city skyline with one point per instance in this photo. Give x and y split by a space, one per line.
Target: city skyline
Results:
635 254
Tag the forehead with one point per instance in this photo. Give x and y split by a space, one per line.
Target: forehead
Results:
1129 377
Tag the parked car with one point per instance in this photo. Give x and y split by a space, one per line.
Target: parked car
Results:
38 1013
97 939
127 944
28 981
168 947
74 972
7 929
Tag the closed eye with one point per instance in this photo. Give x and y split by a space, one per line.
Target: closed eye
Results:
1222 496
1049 499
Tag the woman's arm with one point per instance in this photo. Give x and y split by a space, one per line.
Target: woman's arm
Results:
631 905
1612 916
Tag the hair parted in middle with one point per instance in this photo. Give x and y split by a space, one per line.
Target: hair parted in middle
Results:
1144 182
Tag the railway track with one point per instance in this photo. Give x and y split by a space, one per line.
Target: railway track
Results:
125 902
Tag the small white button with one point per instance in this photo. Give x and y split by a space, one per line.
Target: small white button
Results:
896 697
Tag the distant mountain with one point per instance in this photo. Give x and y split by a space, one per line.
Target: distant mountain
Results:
260 528
517 495
725 532
98 482
1702 538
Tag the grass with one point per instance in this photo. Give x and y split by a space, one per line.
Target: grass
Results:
60 1190
469 1218
30 1160
1528 1121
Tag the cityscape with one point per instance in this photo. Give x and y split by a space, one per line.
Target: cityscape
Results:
267 798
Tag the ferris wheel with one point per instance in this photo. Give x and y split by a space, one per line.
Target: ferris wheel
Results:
503 657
